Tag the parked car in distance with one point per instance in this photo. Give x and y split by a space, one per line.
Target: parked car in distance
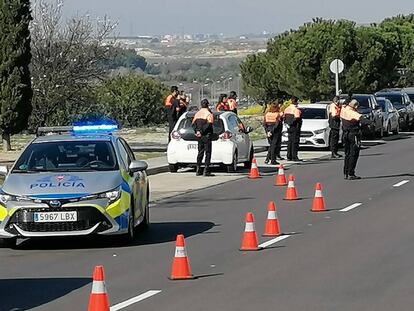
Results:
315 127
410 92
370 109
391 116
231 142
401 101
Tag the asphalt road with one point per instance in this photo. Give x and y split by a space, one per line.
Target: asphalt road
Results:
362 259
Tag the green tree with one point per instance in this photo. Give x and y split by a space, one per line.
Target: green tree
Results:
15 86
132 100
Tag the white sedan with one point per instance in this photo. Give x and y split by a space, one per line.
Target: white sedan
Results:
315 127
231 142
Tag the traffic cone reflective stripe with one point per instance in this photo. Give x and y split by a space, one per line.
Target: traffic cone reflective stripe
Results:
254 170
250 241
181 269
318 201
281 178
99 300
291 193
272 227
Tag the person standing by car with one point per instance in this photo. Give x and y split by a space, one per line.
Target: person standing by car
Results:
203 128
293 121
183 100
279 130
222 103
172 106
271 123
232 102
334 124
351 137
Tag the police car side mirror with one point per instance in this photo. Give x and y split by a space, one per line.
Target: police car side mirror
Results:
3 170
137 166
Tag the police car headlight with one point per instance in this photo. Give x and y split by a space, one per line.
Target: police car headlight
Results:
321 131
4 198
112 195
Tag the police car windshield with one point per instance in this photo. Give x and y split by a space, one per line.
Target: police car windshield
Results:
67 156
314 113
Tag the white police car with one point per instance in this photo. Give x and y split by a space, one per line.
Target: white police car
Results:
78 181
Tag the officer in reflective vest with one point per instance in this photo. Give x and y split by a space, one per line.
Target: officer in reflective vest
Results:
172 106
203 128
232 102
272 123
334 124
351 137
222 103
293 121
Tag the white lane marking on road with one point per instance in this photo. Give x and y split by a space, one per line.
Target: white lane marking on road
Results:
401 183
350 207
273 241
133 300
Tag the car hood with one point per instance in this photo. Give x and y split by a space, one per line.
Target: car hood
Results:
61 185
364 110
312 125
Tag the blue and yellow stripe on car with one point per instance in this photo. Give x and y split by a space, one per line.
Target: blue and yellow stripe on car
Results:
119 210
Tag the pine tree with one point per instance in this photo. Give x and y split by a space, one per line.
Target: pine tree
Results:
15 56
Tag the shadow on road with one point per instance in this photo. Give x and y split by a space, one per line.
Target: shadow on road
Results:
157 233
26 294
389 176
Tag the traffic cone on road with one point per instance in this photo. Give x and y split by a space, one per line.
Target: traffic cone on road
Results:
181 265
99 300
250 241
272 227
318 202
254 171
291 193
280 177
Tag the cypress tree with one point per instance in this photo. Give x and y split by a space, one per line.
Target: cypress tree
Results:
15 84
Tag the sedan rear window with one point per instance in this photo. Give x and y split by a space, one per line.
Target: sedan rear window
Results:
66 156
314 113
185 128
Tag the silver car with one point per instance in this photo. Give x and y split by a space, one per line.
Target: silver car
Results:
78 181
391 116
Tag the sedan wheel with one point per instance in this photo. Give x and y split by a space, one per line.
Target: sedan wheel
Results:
232 168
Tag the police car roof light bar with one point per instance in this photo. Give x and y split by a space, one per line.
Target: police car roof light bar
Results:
42 131
95 128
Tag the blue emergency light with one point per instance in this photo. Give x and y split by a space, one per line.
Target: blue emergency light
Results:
94 127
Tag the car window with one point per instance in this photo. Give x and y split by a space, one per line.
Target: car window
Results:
128 149
66 156
233 124
411 96
126 159
314 113
383 104
363 101
240 125
395 99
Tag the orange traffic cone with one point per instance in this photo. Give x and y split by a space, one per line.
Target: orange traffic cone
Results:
254 171
291 193
181 265
318 202
272 223
281 178
250 242
99 300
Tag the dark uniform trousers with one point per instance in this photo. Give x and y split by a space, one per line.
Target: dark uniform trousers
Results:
334 140
204 146
293 142
172 119
352 144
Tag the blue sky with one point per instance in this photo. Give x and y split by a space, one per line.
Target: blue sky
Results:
231 17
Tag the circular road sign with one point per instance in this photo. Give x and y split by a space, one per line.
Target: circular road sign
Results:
337 66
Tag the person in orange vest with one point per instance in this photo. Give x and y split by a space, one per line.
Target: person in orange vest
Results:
222 103
232 102
334 124
203 128
351 137
183 100
293 121
172 106
272 122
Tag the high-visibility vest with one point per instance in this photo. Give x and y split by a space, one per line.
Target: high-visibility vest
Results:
204 114
222 106
273 117
350 118
169 101
334 110
294 111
